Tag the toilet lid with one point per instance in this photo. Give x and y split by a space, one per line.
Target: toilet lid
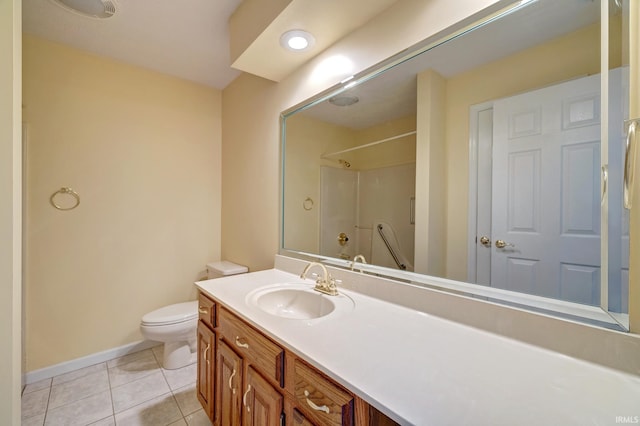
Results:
172 314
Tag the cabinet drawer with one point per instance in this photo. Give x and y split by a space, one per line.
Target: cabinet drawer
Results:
263 354
206 310
299 420
324 401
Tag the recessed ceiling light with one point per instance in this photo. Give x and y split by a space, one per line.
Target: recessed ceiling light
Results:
99 9
297 40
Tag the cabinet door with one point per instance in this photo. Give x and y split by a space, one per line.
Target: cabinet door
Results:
206 367
262 404
228 385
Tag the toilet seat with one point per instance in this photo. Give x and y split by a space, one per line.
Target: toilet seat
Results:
172 314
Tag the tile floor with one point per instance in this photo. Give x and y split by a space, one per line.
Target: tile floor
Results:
131 390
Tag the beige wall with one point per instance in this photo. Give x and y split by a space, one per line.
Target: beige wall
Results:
10 212
392 153
251 107
143 152
307 140
430 238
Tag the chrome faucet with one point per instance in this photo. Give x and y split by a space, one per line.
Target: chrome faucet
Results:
356 258
325 284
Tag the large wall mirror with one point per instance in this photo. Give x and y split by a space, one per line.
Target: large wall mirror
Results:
489 161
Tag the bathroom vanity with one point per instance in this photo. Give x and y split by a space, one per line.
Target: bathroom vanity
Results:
363 360
246 377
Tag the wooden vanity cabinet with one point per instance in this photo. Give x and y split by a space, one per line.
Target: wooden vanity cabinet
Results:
261 403
250 380
229 386
206 347
249 376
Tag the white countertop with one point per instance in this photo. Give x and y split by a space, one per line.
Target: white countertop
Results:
423 370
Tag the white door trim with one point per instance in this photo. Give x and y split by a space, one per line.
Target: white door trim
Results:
472 223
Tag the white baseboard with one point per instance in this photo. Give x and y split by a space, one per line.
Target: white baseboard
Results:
86 361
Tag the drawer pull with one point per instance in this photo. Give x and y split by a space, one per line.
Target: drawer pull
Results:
203 311
241 344
204 354
244 398
230 379
313 405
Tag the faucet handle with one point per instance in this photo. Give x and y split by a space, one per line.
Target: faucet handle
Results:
316 277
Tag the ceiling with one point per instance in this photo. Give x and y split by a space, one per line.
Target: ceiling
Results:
190 39
187 38
392 94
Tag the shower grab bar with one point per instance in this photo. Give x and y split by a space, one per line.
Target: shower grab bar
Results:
393 254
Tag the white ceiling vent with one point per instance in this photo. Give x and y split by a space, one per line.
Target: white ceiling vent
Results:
99 9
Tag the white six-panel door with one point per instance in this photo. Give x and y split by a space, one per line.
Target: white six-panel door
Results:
546 192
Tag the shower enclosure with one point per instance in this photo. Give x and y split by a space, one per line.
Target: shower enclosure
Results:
374 208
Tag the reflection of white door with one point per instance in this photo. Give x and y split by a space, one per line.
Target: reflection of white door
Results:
546 192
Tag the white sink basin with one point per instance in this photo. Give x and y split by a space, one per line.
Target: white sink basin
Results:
297 301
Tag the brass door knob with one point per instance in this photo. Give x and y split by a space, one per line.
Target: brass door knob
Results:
485 241
502 244
342 238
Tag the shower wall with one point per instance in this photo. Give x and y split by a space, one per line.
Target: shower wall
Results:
354 201
385 196
338 211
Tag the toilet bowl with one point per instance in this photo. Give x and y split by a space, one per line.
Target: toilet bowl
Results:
175 326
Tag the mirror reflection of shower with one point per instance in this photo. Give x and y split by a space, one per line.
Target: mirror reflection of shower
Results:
358 202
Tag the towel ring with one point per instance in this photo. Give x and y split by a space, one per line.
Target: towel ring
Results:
65 190
307 204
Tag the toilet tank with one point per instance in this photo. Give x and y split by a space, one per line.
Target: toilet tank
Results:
224 268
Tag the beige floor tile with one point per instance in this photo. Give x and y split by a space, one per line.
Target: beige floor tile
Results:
81 413
109 421
199 418
139 391
158 351
134 387
181 377
78 389
130 358
76 374
32 387
35 403
133 370
33 421
159 411
187 399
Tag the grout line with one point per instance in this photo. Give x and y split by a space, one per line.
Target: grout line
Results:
46 410
113 408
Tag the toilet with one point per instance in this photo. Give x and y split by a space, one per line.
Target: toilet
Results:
175 325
